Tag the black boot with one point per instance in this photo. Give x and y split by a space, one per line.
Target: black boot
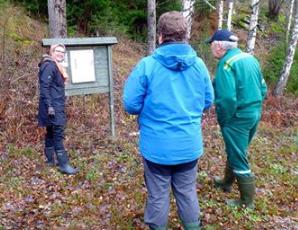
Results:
63 161
247 191
225 184
49 153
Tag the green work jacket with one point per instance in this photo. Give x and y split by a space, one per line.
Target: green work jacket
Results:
239 86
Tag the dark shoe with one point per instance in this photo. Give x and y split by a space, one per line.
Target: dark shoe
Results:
49 153
63 161
247 191
226 183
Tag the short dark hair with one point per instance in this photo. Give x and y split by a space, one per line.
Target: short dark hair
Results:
172 26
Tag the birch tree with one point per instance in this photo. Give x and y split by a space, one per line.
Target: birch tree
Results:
290 14
220 14
188 9
284 76
252 32
209 4
151 20
57 18
230 14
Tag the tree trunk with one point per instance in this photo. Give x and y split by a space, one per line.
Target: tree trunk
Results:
220 13
284 76
274 8
151 20
290 15
188 9
57 18
252 33
230 14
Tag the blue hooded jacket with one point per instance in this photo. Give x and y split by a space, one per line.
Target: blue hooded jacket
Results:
169 91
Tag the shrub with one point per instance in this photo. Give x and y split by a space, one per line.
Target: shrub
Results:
274 65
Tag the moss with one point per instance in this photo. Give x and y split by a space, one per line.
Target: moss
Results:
274 65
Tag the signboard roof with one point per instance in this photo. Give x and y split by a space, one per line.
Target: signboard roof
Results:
80 41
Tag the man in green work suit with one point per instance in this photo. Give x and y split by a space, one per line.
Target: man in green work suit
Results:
239 93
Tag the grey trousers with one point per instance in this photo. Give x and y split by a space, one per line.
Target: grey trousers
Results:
182 179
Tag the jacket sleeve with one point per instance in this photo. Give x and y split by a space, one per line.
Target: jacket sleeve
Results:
45 80
209 92
226 98
135 90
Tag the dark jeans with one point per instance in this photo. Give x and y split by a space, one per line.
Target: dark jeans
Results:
54 137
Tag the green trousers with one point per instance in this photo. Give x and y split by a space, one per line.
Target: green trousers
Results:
237 135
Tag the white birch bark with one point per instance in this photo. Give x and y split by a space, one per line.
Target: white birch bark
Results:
230 14
290 15
188 9
57 18
210 5
151 20
284 76
252 32
220 14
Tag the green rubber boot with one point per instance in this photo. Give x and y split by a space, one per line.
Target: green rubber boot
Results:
225 184
247 191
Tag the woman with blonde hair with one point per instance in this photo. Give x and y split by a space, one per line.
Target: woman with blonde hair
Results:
51 114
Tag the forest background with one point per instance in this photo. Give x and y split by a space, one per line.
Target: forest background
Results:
109 191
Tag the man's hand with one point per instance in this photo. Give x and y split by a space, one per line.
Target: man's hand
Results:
51 112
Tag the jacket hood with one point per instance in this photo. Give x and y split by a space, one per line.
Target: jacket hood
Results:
45 58
175 56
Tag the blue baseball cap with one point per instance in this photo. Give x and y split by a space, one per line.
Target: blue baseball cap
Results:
222 35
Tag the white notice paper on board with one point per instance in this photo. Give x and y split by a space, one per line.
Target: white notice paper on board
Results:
82 66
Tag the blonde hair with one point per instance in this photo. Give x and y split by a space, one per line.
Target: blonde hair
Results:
60 67
53 47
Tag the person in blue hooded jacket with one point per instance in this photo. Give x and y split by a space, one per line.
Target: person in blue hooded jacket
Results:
169 90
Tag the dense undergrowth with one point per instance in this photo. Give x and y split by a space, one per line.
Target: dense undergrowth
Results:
109 191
